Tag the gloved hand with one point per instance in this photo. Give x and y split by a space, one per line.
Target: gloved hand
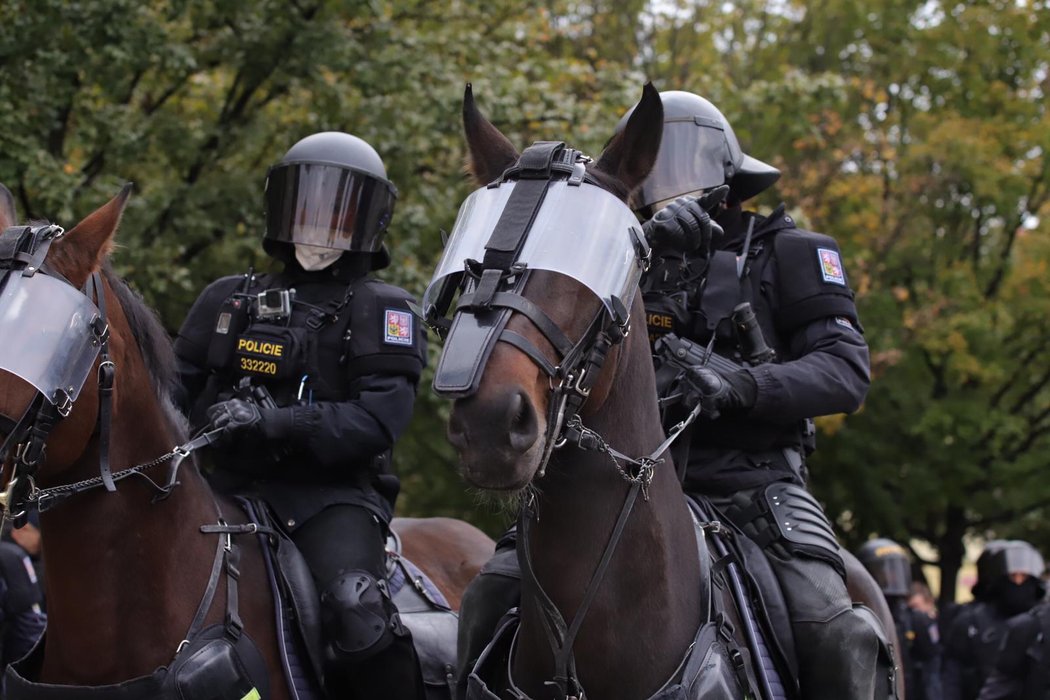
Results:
241 416
685 225
234 415
720 392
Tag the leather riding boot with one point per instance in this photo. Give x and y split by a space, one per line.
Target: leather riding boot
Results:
391 674
837 658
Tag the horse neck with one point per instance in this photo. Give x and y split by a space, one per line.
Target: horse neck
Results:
646 611
119 566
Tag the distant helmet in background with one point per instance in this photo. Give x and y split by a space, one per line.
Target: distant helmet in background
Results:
889 565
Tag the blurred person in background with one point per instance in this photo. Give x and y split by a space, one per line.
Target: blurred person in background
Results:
914 615
1008 583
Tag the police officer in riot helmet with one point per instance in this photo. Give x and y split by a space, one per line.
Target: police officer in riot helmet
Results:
1022 666
917 632
763 314
709 258
311 374
1008 585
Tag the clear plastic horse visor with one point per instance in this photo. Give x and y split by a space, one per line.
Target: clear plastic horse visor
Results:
580 231
47 340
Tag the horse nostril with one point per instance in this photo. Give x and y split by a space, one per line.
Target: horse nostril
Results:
522 430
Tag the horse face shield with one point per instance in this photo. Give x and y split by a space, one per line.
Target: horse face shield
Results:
503 231
51 335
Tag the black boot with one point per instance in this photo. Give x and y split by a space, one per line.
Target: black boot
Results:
837 658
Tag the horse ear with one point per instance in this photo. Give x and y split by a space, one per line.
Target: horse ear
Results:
84 247
490 151
631 154
8 217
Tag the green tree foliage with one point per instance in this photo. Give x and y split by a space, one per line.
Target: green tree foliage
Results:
916 133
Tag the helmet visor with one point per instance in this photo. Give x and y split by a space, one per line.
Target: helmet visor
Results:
1018 558
46 327
695 154
327 206
893 574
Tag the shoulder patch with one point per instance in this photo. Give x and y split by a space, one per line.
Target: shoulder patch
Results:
845 323
831 266
398 327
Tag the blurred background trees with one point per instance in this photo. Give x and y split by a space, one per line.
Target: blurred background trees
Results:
915 132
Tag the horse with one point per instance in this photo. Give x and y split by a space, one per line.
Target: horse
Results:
555 402
128 567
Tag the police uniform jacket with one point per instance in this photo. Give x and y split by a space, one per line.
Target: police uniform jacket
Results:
342 369
797 286
1022 665
970 649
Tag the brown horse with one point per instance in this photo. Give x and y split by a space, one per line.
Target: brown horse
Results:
631 573
126 571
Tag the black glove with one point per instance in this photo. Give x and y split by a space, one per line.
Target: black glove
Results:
720 392
685 225
234 416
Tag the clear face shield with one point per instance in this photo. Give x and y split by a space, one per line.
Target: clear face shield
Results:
328 206
48 332
581 231
696 154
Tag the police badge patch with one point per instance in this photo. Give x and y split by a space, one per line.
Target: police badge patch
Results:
398 327
831 266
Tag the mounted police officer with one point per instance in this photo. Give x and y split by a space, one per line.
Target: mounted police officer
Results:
773 304
312 374
1022 666
1008 584
752 438
917 632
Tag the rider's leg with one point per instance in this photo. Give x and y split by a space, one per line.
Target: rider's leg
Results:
369 652
494 591
837 649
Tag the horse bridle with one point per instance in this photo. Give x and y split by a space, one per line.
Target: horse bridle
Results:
23 252
496 285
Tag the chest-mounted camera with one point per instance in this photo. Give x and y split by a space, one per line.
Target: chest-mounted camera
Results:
274 304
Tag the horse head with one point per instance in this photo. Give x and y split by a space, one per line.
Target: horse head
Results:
546 295
65 329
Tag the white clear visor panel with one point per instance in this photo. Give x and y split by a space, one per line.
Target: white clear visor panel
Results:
45 325
580 231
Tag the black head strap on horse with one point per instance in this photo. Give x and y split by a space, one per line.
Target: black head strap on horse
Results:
544 213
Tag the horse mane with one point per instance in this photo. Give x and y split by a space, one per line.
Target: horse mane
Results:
152 339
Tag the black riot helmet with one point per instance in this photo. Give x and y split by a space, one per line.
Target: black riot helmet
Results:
698 151
329 191
888 564
985 574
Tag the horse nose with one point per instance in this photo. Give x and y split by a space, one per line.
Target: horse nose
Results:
504 422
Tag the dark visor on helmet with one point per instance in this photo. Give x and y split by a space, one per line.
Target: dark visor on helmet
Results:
693 156
327 206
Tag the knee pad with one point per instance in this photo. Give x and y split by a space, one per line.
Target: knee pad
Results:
359 618
787 516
